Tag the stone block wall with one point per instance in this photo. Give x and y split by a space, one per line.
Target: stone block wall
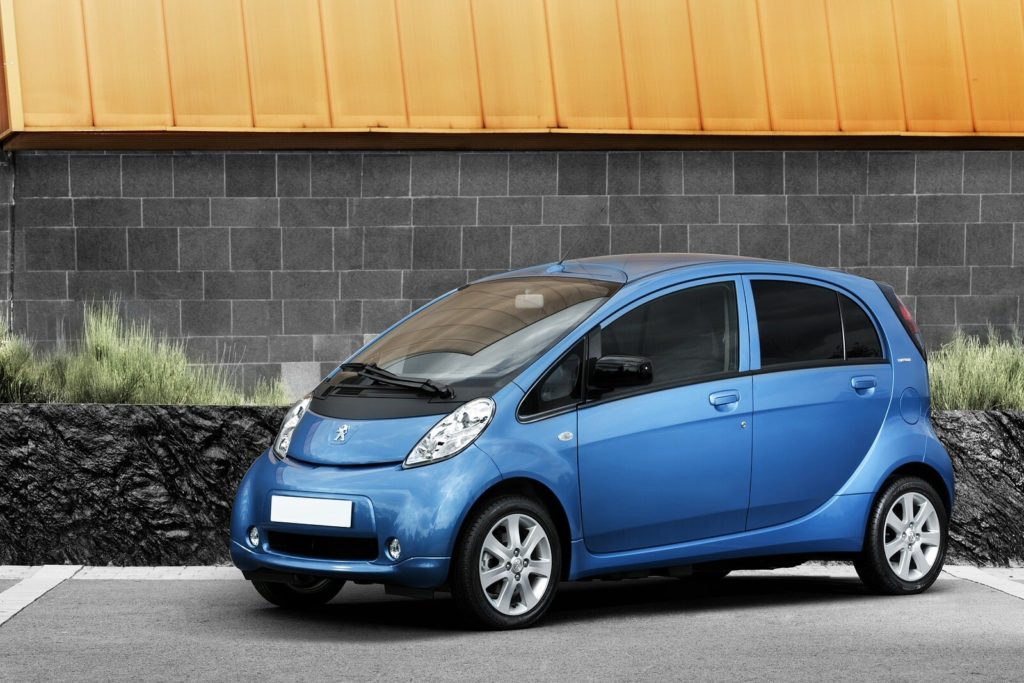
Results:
6 245
284 262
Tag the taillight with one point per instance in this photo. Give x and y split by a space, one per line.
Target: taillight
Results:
908 320
906 317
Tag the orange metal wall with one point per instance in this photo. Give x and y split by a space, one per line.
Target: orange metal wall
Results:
678 66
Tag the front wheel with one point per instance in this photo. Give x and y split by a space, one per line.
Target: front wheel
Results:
301 594
905 543
505 572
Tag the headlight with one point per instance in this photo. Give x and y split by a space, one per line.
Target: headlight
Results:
453 433
291 421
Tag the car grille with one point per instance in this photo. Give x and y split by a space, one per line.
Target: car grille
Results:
323 547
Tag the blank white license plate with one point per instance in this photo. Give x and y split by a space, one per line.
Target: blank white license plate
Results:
315 511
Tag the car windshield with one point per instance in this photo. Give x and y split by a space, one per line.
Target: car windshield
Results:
487 331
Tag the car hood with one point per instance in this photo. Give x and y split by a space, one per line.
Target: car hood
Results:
332 441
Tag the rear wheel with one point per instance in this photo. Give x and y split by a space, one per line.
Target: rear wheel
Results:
304 593
905 543
505 572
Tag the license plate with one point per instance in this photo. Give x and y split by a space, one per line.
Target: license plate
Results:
314 511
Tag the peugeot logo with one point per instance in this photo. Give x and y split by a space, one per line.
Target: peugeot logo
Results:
342 434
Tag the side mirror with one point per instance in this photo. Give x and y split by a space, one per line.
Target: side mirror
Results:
614 372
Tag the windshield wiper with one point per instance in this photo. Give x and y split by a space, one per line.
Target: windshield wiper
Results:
374 372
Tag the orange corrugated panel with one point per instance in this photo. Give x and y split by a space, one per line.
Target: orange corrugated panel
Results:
662 85
127 53
439 57
51 56
866 65
993 33
798 65
209 75
730 70
590 82
6 109
515 68
932 63
286 64
364 63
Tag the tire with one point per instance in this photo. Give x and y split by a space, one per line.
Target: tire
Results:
311 592
905 541
487 590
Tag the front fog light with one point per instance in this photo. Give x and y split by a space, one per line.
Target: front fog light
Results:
254 537
394 549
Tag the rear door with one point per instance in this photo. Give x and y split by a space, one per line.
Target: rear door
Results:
822 387
670 462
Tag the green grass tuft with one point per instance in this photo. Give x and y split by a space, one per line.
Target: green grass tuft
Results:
970 374
118 362
126 362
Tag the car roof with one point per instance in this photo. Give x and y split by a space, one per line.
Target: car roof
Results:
626 268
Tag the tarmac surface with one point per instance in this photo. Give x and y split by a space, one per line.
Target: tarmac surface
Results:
800 624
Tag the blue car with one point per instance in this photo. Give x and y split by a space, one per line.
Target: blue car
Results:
651 414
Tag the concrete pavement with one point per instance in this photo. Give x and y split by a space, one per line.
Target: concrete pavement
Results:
801 624
1014 573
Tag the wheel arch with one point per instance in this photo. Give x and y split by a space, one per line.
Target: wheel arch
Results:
924 471
530 488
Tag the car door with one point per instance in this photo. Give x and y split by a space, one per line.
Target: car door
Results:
820 394
669 462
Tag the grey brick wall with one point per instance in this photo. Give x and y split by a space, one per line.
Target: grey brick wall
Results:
6 245
284 262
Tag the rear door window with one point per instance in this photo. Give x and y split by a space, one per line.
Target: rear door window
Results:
799 323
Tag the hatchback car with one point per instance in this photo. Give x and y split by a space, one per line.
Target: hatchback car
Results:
648 414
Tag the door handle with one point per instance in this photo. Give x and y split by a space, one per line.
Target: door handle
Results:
863 383
724 398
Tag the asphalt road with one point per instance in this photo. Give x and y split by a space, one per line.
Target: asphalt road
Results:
754 626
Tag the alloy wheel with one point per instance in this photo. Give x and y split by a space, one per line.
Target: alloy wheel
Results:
912 536
515 564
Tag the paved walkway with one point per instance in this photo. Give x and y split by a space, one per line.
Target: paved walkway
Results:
804 623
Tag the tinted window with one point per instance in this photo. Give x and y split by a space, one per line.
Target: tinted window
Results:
800 323
861 337
561 387
486 331
797 323
686 335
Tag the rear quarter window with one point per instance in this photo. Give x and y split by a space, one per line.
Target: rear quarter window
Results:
861 337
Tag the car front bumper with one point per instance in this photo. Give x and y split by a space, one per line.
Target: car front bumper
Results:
422 507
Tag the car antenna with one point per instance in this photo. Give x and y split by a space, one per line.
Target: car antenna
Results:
571 248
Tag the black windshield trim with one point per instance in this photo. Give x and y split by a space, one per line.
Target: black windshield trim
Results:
378 374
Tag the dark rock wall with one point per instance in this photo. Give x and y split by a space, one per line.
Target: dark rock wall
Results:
102 484
987 449
110 484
